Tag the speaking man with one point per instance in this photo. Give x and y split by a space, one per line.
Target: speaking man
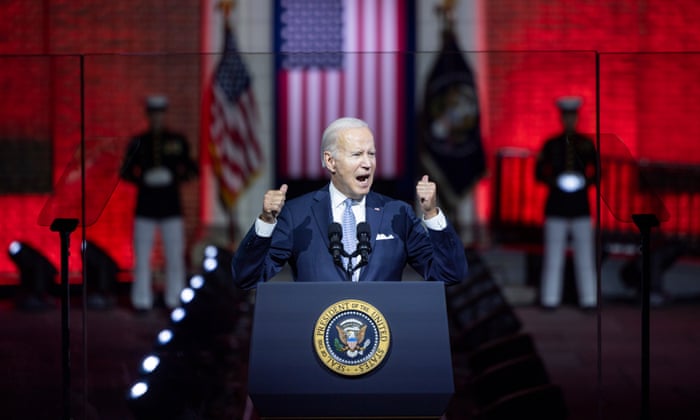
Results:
345 231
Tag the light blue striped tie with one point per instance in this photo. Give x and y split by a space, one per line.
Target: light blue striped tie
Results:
349 241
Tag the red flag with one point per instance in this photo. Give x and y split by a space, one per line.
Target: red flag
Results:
234 144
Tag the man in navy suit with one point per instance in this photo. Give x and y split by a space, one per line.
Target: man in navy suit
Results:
297 232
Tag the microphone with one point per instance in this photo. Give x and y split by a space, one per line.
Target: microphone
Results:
335 237
363 242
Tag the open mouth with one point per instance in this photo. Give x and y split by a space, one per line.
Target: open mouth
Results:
362 178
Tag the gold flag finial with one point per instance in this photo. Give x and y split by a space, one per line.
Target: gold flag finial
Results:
446 12
226 6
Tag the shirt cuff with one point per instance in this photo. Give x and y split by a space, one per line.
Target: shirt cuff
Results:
264 229
438 222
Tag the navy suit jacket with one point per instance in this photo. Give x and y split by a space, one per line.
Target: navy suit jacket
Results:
300 239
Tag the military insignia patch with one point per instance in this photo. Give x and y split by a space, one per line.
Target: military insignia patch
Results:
351 337
172 147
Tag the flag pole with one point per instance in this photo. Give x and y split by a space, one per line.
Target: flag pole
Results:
226 7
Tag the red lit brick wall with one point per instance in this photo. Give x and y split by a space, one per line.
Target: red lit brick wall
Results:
133 48
648 95
642 95
130 49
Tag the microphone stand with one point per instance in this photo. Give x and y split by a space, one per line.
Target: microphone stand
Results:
361 263
363 246
337 254
349 269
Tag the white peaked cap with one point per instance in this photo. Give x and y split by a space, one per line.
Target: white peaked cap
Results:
156 102
569 103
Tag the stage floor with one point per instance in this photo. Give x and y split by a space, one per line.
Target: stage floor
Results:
116 340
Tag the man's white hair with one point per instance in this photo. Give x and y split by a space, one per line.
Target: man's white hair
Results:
329 141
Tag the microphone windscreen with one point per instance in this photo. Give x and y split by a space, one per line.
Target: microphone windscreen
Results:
335 229
363 228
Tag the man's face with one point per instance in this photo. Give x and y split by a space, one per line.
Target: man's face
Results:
156 119
354 162
569 120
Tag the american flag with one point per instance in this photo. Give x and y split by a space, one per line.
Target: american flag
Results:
234 146
339 58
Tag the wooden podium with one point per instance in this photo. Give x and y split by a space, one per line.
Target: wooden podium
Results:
350 350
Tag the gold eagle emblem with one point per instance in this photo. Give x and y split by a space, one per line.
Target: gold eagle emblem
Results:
352 337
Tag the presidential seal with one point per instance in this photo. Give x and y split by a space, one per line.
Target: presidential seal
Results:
351 337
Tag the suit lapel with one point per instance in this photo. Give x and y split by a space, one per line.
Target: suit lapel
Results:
321 210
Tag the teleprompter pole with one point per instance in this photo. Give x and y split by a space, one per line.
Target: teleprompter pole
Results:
645 222
64 227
